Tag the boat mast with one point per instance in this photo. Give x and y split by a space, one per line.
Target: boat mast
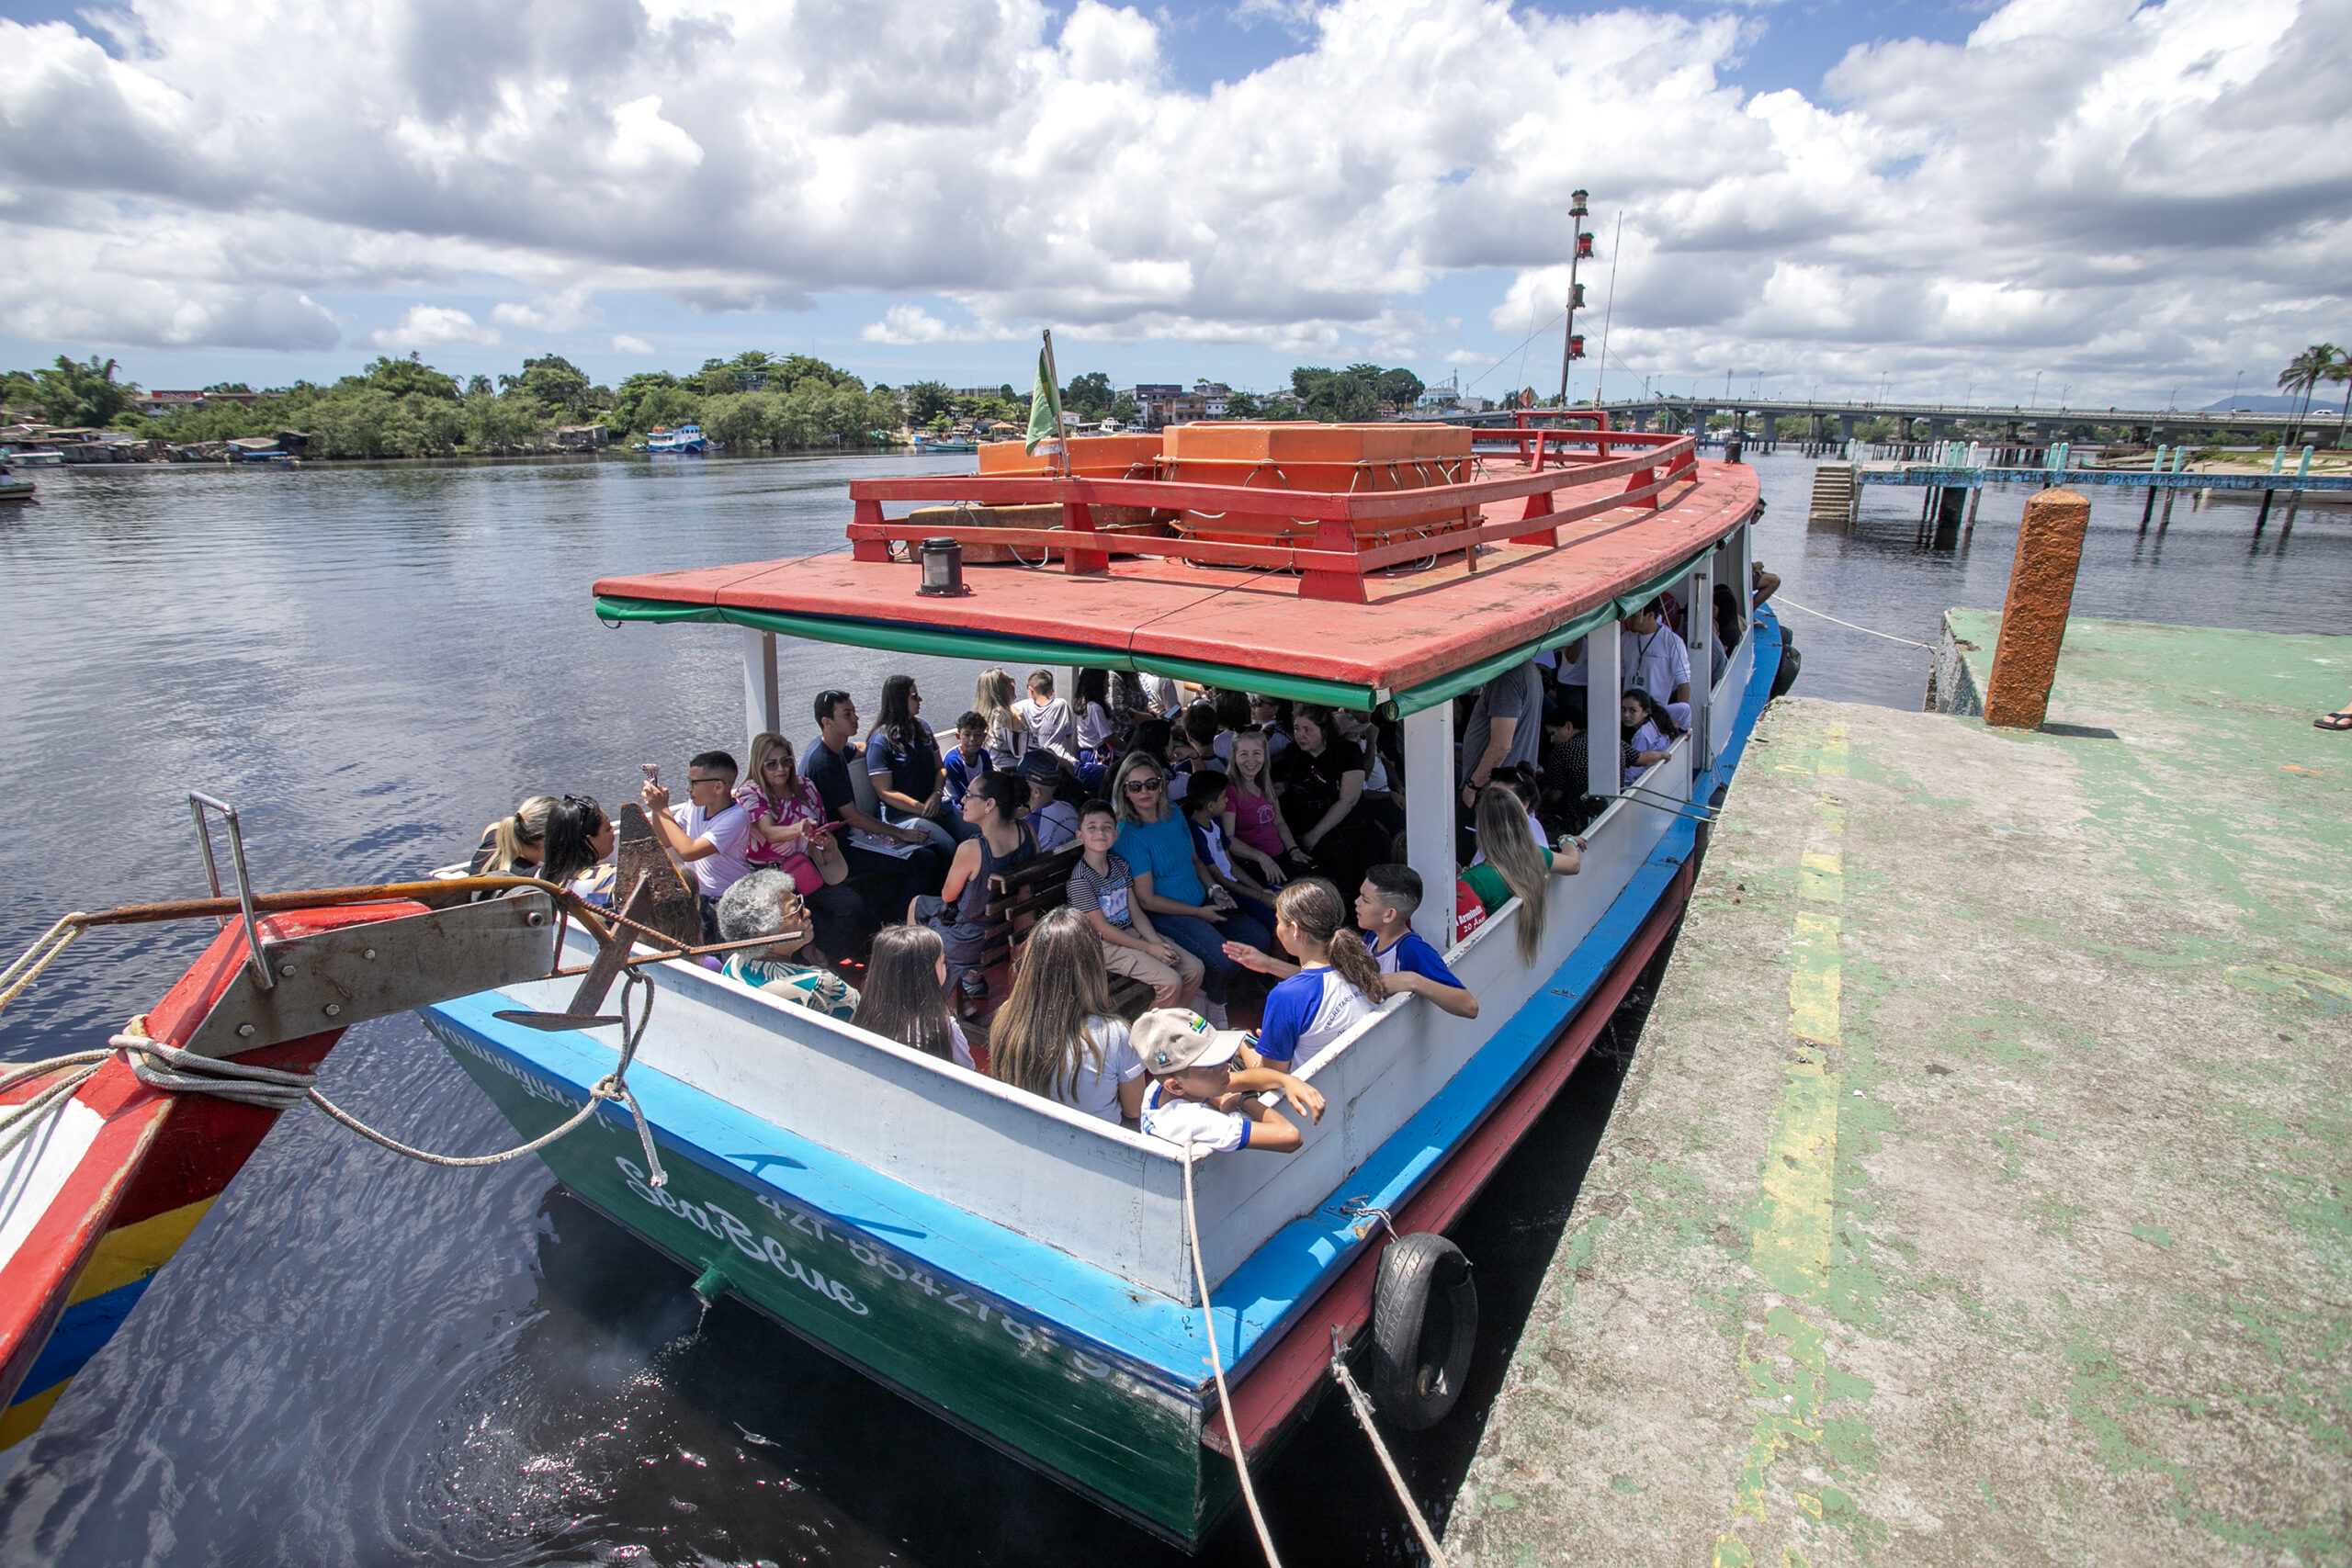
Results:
1572 347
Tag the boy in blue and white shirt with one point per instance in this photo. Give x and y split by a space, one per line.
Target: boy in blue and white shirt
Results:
1198 1098
1383 911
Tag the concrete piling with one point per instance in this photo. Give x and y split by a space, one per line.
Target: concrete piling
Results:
2033 620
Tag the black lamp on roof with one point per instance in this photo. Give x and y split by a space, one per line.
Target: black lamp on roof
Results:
942 567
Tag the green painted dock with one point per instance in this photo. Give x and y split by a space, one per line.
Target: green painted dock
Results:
1979 1191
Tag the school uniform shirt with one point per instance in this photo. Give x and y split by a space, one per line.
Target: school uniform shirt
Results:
1165 850
1050 725
1487 882
1006 740
1409 954
1110 892
1093 727
1649 737
1306 1013
1189 1121
960 772
1095 1090
1165 696
729 833
913 768
1209 843
1054 823
1655 661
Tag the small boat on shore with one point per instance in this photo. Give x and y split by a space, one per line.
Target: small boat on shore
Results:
14 486
1023 1271
934 446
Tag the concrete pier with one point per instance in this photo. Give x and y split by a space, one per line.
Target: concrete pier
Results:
1979 1192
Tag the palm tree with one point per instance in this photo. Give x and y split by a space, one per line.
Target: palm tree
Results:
2342 371
2303 373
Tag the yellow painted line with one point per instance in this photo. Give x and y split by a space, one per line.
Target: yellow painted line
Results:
25 1415
130 1253
1789 1242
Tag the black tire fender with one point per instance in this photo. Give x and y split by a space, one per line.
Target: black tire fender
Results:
1791 665
1424 1325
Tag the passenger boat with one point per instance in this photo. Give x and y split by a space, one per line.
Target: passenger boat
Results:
930 446
686 441
1022 1270
1019 1270
15 487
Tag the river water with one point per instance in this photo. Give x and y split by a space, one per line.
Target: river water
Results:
357 1359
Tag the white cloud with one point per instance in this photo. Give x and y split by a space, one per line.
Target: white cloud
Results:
906 324
2134 189
629 343
428 326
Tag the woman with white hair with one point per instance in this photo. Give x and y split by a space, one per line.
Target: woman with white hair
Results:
765 903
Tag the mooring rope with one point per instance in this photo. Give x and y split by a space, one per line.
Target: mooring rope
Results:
1216 1364
1784 599
164 1066
1362 1409
19 976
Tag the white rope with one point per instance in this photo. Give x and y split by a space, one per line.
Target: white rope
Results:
1784 599
20 974
1216 1364
1362 1409
167 1068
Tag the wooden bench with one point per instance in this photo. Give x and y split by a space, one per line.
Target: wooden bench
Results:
1018 898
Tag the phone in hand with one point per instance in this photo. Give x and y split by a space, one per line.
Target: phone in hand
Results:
652 771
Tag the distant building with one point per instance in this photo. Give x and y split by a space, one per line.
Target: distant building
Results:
582 437
156 404
1152 400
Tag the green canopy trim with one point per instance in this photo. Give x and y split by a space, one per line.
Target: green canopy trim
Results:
1471 676
949 643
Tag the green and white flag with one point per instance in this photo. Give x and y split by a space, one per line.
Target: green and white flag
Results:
1045 403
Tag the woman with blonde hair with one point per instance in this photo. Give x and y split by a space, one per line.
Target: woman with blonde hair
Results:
1007 734
1056 1035
787 816
905 995
514 846
1512 864
1253 815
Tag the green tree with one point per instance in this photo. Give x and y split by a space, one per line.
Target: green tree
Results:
2304 374
1400 386
926 400
505 424
1338 396
228 387
75 394
19 390
554 381
1242 405
401 377
654 396
1088 396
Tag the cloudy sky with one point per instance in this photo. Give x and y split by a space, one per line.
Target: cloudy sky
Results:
1940 199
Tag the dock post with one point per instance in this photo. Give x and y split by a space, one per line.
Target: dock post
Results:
762 714
1603 691
2033 619
1430 817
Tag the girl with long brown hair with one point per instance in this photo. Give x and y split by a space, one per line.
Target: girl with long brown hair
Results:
905 995
1337 986
1512 865
1055 1035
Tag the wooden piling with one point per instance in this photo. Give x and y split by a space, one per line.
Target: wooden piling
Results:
2033 619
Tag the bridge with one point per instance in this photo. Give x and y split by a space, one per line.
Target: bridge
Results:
1767 420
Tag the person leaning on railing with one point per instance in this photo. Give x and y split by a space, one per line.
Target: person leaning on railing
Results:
1511 864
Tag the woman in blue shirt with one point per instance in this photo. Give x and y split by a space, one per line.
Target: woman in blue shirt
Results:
1154 840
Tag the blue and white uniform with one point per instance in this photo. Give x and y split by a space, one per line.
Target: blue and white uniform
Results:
1189 1122
1306 1013
1412 955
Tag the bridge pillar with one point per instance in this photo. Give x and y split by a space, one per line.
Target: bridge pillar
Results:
1770 430
1845 427
1938 428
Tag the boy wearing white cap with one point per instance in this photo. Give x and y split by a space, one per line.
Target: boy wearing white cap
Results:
1197 1096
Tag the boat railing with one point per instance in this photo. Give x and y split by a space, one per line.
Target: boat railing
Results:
1348 543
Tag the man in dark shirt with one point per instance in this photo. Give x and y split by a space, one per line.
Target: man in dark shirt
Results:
887 881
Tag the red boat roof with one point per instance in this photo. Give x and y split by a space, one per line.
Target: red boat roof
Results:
1231 626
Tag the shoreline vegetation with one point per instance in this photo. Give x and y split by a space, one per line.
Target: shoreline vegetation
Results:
753 404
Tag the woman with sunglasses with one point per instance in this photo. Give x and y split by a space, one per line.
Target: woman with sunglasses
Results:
1171 882
787 817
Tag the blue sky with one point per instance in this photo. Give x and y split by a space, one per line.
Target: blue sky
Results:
1816 196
